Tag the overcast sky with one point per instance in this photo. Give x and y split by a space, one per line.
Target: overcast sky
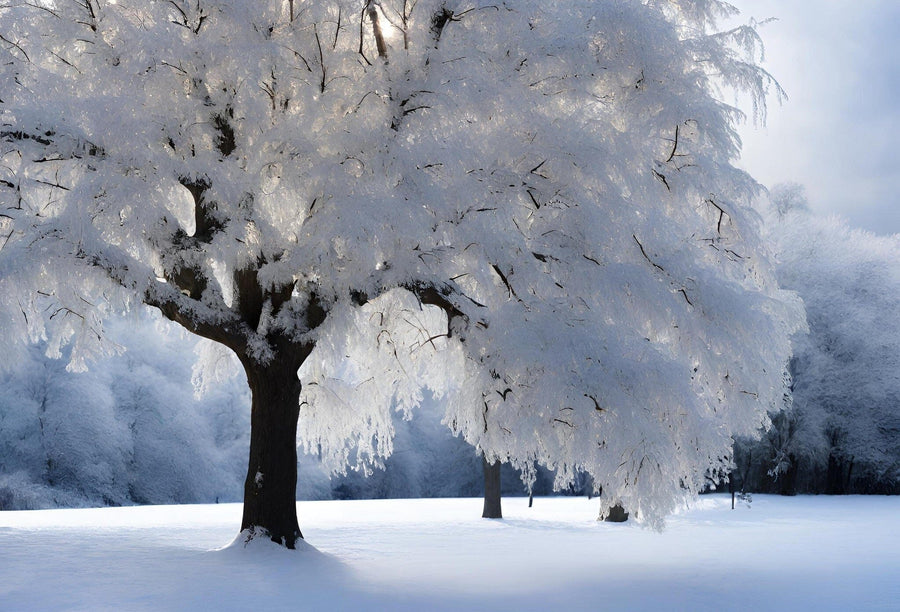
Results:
838 134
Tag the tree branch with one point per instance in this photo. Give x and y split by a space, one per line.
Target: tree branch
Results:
440 297
323 82
217 324
512 292
221 326
647 257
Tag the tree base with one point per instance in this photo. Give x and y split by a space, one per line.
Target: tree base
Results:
491 490
254 537
616 514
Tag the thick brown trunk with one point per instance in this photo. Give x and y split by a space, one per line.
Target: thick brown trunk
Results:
616 514
270 491
491 489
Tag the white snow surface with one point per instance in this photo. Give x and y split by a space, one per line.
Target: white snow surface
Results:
800 553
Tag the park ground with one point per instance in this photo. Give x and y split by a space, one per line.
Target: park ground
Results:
775 553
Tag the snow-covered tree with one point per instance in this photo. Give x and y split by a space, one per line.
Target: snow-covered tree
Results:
842 433
527 207
130 430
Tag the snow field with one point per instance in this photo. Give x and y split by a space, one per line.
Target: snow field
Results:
802 553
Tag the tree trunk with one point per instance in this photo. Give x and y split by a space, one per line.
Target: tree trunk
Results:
616 514
270 491
491 489
834 477
789 477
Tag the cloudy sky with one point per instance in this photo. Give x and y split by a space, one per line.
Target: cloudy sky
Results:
838 133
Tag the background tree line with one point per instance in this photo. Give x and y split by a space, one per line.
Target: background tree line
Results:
166 422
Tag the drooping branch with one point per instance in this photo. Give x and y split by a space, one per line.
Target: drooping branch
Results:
323 82
662 179
91 14
16 46
185 22
677 152
361 50
679 289
337 28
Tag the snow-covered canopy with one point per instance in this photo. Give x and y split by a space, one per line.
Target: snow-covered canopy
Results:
527 207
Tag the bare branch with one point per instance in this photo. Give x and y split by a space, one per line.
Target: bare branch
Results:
362 20
722 213
674 146
337 28
503 278
647 257
662 179
16 45
596 403
55 185
323 82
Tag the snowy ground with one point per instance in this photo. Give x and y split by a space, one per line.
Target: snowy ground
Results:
802 553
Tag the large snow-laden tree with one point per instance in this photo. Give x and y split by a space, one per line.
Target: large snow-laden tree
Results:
528 207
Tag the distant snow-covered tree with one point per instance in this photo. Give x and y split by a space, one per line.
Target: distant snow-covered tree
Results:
788 198
527 207
842 433
128 431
